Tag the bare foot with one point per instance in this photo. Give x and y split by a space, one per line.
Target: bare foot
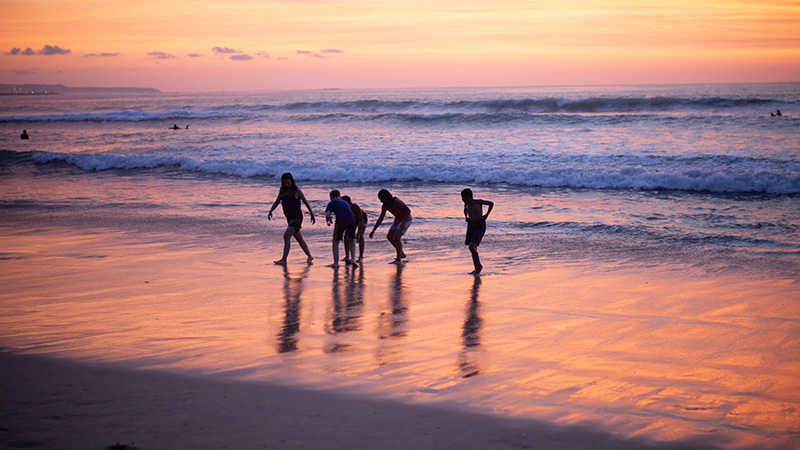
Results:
334 265
280 262
310 260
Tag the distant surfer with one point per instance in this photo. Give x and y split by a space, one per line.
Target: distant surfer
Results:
776 114
24 134
174 127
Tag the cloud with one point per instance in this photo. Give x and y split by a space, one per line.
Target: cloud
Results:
264 55
242 57
47 50
319 54
24 72
161 55
225 51
194 55
102 55
54 50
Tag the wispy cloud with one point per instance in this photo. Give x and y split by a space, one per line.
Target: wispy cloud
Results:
161 55
102 55
242 57
47 50
194 55
264 55
225 51
321 53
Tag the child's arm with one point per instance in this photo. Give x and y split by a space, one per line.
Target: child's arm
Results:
274 205
310 211
490 205
378 222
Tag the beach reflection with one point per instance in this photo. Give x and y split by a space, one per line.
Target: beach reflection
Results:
392 323
470 334
348 309
292 291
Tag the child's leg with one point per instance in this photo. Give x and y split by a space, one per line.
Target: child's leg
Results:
394 238
303 245
476 260
352 245
347 246
335 248
287 244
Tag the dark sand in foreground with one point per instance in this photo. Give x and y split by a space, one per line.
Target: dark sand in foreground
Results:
54 404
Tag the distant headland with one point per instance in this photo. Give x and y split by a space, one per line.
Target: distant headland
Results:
55 89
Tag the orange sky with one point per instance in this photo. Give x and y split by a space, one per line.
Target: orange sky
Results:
256 44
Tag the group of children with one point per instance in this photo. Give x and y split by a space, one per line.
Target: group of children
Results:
351 220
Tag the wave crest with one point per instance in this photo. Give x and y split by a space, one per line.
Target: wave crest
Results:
668 176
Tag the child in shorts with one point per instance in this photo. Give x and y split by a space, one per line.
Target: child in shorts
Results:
402 220
344 227
476 225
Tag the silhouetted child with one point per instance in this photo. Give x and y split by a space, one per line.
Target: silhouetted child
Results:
361 226
476 225
402 220
345 227
290 197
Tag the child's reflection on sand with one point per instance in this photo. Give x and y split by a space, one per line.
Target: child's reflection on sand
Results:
392 323
470 334
292 291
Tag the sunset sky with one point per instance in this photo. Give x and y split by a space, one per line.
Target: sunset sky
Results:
211 45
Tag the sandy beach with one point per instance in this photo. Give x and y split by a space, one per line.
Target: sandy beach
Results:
161 340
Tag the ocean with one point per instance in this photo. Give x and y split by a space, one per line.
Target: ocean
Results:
695 184
660 167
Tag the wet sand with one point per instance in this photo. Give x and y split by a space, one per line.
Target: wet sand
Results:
188 340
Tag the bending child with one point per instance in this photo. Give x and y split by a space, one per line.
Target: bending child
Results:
476 225
402 220
345 227
361 226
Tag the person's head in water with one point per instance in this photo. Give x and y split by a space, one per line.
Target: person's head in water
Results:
466 195
385 197
347 199
287 183
335 194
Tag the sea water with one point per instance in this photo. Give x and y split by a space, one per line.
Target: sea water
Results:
652 166
701 181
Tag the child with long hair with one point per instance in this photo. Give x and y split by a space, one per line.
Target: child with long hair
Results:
290 196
